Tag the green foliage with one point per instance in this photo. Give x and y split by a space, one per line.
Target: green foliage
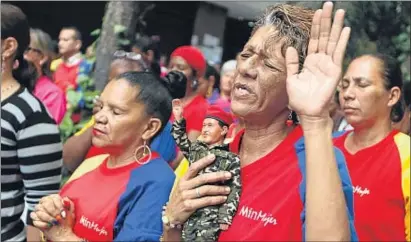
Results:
380 27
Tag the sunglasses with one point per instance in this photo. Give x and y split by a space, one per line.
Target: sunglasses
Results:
131 56
34 50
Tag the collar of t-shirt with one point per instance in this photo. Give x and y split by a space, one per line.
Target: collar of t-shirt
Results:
73 60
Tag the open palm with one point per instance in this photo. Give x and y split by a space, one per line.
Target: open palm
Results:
311 90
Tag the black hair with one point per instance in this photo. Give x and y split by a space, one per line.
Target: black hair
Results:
14 24
392 75
211 71
153 94
146 43
176 83
77 33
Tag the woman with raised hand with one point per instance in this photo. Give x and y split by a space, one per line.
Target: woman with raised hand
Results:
121 194
295 184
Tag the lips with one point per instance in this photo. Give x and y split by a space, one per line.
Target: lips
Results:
98 132
241 90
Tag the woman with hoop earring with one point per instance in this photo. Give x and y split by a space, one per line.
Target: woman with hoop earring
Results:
120 196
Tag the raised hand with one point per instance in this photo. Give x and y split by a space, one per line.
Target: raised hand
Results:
177 109
311 90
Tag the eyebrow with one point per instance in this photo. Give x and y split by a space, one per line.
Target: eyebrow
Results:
260 52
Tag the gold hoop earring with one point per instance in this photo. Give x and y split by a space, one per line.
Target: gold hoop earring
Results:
146 150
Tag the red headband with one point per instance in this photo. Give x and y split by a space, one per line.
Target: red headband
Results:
193 57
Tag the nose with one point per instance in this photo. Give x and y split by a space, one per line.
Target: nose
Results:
101 117
349 92
247 68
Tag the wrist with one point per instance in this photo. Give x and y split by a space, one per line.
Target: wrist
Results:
169 222
316 124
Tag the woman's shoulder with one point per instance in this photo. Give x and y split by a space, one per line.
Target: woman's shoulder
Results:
23 105
155 171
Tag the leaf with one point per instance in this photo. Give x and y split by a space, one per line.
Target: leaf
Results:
124 41
95 32
73 97
119 29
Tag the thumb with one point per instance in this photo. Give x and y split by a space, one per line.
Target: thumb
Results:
291 61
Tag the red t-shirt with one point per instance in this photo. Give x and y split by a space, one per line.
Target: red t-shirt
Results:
194 113
66 76
270 203
381 182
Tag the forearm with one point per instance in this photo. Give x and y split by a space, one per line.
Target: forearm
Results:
179 134
75 149
326 213
33 234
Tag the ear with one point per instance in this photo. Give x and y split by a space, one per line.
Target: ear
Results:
225 130
78 44
10 46
152 128
395 95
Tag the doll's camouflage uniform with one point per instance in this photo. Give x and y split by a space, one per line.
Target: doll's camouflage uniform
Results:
204 224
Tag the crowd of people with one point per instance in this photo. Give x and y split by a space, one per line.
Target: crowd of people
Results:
324 152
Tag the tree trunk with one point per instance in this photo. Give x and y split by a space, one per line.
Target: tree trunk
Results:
123 13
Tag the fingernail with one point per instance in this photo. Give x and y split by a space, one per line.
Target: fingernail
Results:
63 214
211 157
66 203
49 224
227 175
227 189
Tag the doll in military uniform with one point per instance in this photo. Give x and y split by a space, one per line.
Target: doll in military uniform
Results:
206 224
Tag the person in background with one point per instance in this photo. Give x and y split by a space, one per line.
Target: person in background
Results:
208 82
117 196
39 53
190 61
73 64
378 157
79 148
296 186
222 98
31 148
404 124
148 47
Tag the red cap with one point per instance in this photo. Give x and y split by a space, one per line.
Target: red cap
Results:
219 114
193 56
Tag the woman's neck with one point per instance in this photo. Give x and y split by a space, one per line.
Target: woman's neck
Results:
123 158
363 137
261 139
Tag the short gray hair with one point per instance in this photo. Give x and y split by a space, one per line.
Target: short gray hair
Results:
292 24
228 66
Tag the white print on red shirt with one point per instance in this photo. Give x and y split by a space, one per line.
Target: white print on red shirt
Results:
92 225
250 213
361 191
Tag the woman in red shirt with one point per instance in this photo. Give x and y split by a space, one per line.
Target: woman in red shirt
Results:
190 61
378 157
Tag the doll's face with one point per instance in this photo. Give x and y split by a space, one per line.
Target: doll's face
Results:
212 133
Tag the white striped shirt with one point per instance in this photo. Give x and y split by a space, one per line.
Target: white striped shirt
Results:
31 160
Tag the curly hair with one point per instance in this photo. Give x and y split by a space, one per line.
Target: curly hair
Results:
292 24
